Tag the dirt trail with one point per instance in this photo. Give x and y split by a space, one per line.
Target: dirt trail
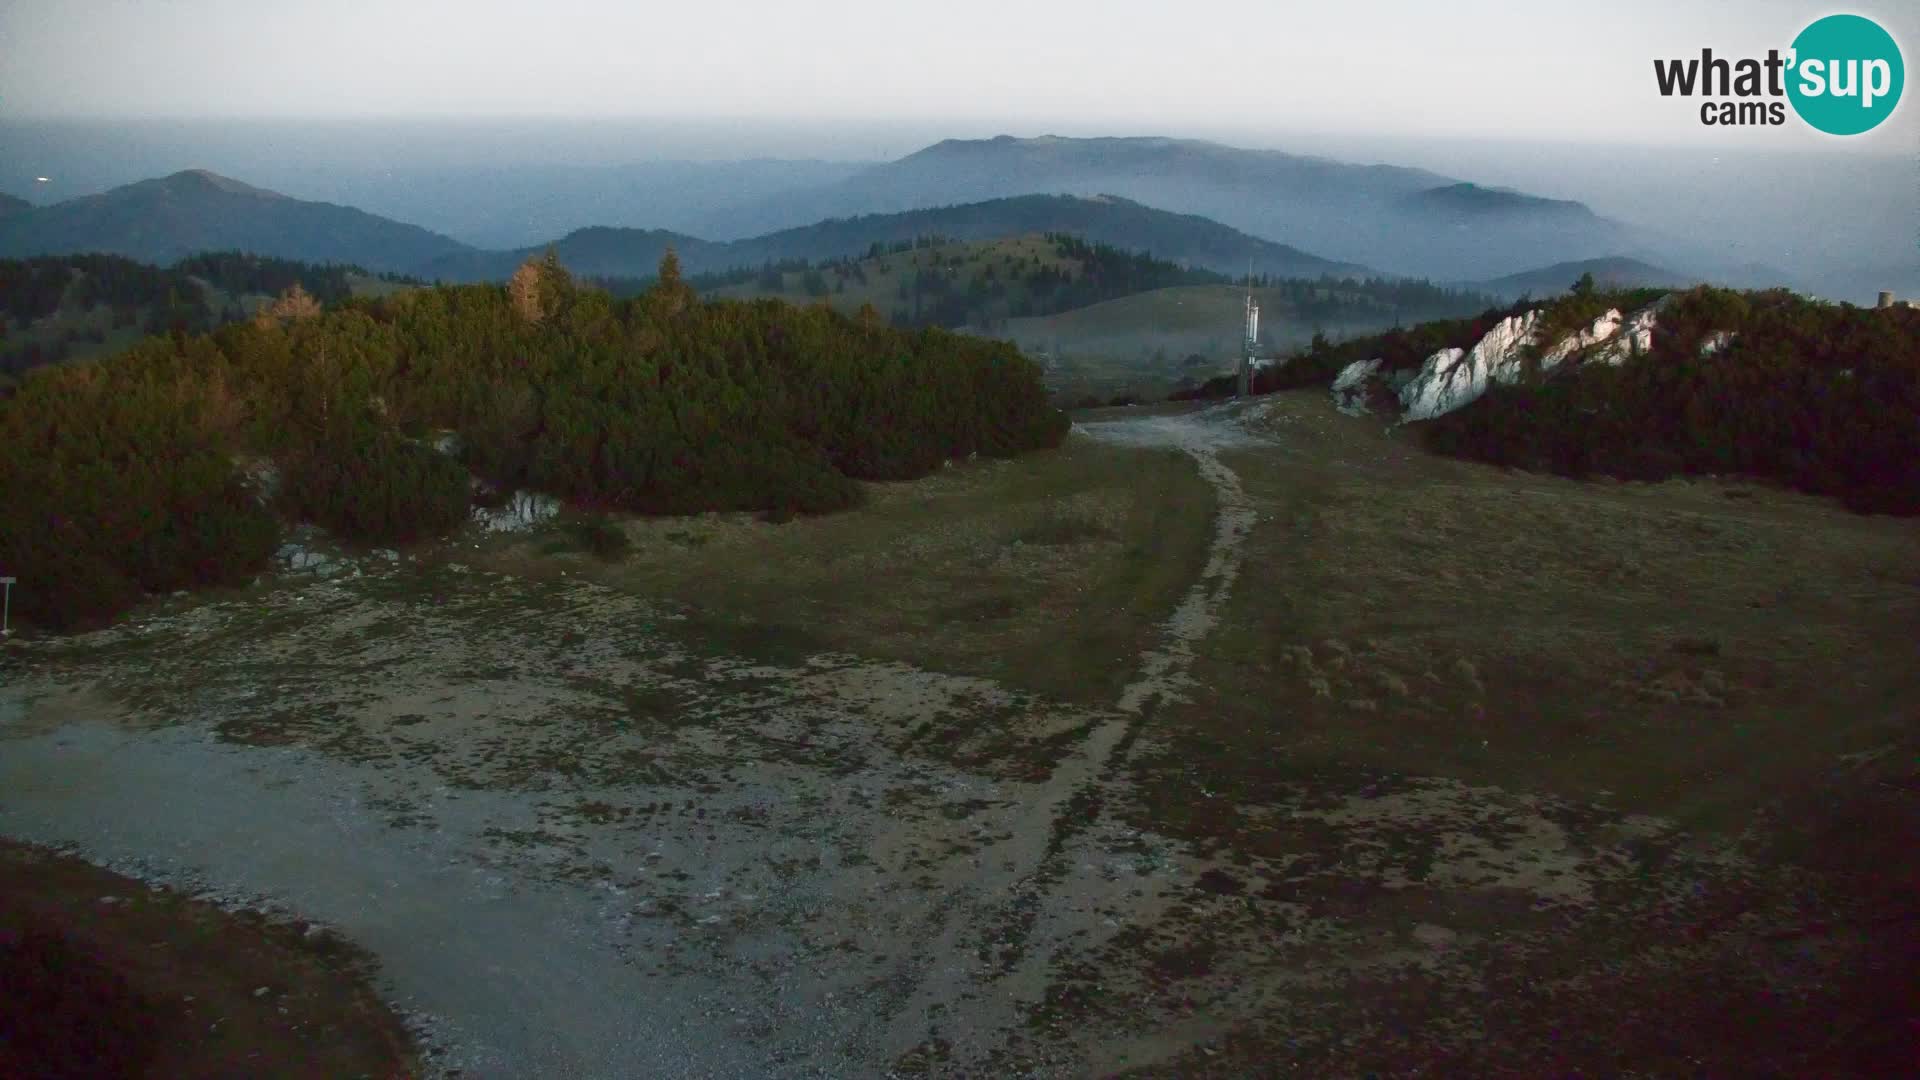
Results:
615 857
1037 888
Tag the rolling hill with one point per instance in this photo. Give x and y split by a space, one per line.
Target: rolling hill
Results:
964 284
170 218
1181 238
1402 220
1187 239
600 251
11 205
1612 272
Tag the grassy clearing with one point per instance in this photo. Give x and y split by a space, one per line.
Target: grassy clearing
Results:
1704 690
1049 573
1682 649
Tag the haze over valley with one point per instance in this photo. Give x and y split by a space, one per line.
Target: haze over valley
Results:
1741 215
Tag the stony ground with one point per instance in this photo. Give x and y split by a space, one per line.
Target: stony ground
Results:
585 837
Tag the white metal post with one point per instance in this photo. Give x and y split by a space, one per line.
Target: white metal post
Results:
6 606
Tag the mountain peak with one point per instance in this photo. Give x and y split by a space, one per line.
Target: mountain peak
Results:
203 179
168 218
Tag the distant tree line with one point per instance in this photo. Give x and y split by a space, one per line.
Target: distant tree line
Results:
946 289
121 477
152 299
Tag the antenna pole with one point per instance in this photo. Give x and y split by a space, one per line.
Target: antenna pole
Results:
1251 339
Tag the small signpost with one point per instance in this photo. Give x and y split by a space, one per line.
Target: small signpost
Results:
6 606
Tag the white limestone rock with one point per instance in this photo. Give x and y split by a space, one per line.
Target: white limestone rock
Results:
1634 339
1351 385
524 510
1434 388
1452 378
1603 329
1716 341
299 560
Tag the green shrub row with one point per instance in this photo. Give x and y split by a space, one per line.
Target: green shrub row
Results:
118 477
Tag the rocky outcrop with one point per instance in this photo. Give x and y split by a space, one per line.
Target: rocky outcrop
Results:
1452 377
1351 386
299 560
1634 339
1603 329
523 510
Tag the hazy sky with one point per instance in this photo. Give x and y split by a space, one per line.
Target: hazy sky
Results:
1572 71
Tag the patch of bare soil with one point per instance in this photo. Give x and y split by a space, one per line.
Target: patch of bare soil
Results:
104 976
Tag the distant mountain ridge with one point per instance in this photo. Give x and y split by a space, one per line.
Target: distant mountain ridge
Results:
10 205
1425 224
1401 220
166 219
1467 200
1117 222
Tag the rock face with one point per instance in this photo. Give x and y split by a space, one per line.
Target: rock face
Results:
1350 386
1451 378
1603 329
298 560
524 510
1440 385
1635 339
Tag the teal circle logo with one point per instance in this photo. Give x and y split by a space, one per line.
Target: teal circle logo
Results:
1846 75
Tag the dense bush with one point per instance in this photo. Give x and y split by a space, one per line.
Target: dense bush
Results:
109 488
1822 397
366 481
118 476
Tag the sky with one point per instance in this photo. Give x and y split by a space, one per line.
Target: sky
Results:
1574 72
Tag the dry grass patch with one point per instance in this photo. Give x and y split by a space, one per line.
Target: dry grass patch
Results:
1660 644
1050 572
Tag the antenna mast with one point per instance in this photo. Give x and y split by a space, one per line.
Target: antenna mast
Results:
1252 338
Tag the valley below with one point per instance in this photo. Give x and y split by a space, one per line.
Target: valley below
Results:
1225 741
